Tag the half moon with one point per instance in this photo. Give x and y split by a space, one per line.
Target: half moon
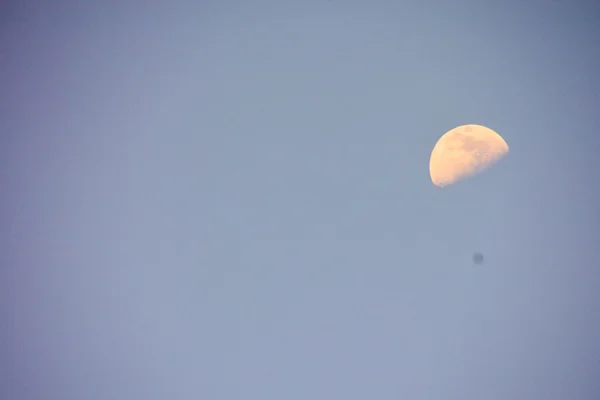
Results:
463 152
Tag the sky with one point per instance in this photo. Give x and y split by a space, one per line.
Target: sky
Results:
224 201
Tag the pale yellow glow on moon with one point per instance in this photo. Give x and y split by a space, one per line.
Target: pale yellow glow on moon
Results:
463 152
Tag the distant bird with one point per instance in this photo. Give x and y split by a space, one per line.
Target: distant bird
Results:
478 258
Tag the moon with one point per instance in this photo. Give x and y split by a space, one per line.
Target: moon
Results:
463 152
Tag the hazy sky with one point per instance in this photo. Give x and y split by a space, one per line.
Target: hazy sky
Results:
223 202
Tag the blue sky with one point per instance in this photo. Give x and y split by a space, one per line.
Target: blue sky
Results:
207 201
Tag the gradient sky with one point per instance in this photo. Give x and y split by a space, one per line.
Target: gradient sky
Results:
232 201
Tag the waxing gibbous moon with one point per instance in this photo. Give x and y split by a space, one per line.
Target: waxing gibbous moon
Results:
463 152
